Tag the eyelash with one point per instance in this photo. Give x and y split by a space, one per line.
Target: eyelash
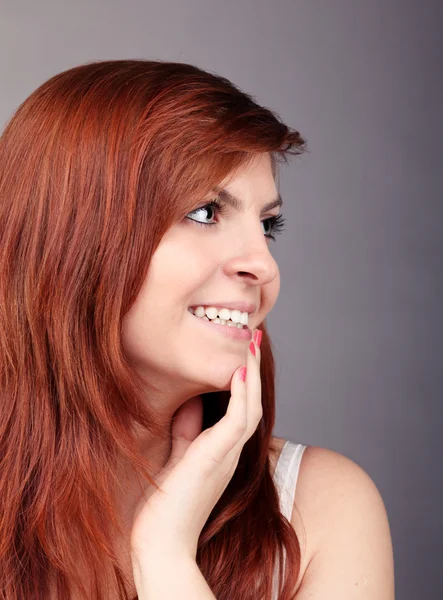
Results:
277 222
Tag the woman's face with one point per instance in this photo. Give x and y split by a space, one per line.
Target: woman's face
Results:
205 265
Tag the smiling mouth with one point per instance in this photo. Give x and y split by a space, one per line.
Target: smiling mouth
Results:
218 321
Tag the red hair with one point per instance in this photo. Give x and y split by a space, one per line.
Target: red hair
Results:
95 166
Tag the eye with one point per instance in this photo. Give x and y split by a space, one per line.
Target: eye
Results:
215 206
275 224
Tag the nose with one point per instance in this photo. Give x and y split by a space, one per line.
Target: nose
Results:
252 260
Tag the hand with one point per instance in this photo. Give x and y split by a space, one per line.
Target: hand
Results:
199 469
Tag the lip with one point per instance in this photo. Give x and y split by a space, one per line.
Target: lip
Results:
241 306
231 332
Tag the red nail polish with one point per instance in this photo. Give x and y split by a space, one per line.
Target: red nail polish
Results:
252 348
243 373
257 337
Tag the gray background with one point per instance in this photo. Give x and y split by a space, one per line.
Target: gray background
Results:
357 327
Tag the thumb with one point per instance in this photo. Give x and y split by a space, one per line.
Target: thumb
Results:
186 426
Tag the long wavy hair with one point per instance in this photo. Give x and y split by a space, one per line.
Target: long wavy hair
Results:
95 166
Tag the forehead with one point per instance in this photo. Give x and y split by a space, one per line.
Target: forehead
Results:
253 184
258 171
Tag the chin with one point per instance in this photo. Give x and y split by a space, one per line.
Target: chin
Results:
217 379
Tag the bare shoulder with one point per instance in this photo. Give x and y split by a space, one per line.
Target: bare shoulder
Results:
342 525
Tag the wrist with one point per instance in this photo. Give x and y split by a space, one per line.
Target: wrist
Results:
157 555
167 576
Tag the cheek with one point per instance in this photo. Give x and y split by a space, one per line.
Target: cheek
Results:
178 266
156 324
139 334
150 344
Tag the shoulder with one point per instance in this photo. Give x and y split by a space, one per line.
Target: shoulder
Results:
342 525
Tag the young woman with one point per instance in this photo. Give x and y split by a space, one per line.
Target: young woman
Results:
138 209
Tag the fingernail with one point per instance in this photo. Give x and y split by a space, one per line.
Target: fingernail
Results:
243 373
252 348
257 337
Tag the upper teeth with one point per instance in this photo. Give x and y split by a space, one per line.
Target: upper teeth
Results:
223 313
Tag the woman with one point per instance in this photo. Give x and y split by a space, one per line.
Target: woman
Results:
138 203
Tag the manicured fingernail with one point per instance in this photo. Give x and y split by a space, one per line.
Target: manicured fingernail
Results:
252 348
257 337
243 373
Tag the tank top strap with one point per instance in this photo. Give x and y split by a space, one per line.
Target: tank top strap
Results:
286 475
285 478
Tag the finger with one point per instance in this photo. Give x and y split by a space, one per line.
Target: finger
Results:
243 414
253 391
223 436
253 400
245 409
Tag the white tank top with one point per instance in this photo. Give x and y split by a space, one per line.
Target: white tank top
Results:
285 478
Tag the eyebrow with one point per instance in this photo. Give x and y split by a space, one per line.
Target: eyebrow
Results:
237 204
